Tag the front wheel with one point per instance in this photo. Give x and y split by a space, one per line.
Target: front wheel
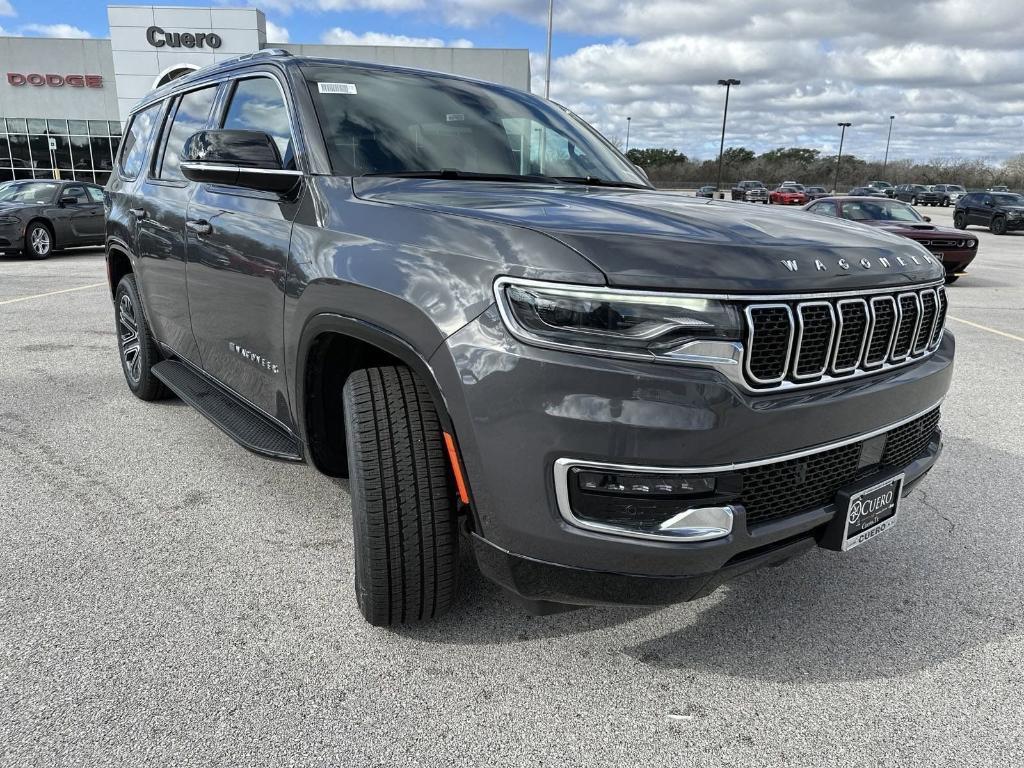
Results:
136 345
950 279
38 240
403 509
960 220
913 201
998 226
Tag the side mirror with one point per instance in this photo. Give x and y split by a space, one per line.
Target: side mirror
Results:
246 159
68 200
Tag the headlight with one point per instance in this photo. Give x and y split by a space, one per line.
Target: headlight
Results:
7 220
611 321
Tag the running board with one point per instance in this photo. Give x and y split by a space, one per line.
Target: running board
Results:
240 422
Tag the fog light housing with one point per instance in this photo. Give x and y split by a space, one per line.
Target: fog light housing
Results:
677 506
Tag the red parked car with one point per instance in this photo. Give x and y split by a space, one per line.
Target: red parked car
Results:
788 194
952 247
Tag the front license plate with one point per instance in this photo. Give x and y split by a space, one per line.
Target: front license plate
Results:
865 514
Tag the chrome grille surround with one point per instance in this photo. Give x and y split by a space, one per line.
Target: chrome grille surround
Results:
902 327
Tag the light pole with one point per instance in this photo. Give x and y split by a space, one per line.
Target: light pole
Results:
628 121
839 157
547 74
721 147
887 140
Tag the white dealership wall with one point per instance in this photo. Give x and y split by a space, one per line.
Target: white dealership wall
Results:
130 64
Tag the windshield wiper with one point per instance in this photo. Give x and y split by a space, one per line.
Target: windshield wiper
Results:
452 173
595 181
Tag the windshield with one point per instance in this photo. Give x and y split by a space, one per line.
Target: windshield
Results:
390 122
30 192
954 188
881 210
1008 199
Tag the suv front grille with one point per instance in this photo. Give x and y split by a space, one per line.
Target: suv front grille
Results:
804 342
785 488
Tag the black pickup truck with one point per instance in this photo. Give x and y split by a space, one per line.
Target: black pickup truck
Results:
506 339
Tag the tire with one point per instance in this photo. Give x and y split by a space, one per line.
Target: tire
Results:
913 201
135 344
38 240
945 202
403 509
998 226
950 279
960 220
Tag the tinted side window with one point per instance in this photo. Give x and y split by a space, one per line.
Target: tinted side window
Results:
136 142
76 192
257 105
95 193
827 208
192 115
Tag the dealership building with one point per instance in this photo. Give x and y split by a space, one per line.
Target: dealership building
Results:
63 101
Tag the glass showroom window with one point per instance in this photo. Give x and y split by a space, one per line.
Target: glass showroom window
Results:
32 148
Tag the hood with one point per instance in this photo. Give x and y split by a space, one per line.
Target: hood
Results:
651 239
911 228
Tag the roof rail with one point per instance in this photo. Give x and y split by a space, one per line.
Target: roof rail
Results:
263 53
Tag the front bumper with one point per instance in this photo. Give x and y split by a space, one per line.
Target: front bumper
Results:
517 409
957 261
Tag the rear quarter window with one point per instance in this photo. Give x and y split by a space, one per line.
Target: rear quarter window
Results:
136 142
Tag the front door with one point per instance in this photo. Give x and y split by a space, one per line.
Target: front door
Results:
83 218
238 242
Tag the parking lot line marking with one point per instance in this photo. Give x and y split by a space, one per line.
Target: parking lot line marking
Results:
50 293
986 328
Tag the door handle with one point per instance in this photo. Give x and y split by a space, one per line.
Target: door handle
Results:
199 226
139 213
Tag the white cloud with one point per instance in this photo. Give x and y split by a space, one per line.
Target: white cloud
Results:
54 30
388 6
6 9
276 33
339 36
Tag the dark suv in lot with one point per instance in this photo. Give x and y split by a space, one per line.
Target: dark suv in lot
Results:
466 301
1001 212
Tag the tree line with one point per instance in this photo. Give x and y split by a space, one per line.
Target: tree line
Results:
669 167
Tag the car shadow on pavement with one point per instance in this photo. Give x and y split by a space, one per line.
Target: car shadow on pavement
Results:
485 615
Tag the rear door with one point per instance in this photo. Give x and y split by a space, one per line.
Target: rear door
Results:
238 241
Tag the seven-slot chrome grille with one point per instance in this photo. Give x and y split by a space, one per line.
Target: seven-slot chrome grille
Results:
817 340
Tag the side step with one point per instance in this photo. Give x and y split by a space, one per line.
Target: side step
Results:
241 423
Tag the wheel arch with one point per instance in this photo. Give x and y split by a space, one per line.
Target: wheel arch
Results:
40 219
331 347
119 264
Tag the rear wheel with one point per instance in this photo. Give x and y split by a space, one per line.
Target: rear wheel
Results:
998 226
38 240
403 510
136 345
960 220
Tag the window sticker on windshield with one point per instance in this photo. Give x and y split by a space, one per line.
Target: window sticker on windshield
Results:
343 88
454 118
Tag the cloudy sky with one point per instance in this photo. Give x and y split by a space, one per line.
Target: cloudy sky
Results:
952 71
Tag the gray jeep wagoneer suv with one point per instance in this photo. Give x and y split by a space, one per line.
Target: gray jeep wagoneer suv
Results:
465 300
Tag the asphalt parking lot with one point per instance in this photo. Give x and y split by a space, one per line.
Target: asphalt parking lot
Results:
169 599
